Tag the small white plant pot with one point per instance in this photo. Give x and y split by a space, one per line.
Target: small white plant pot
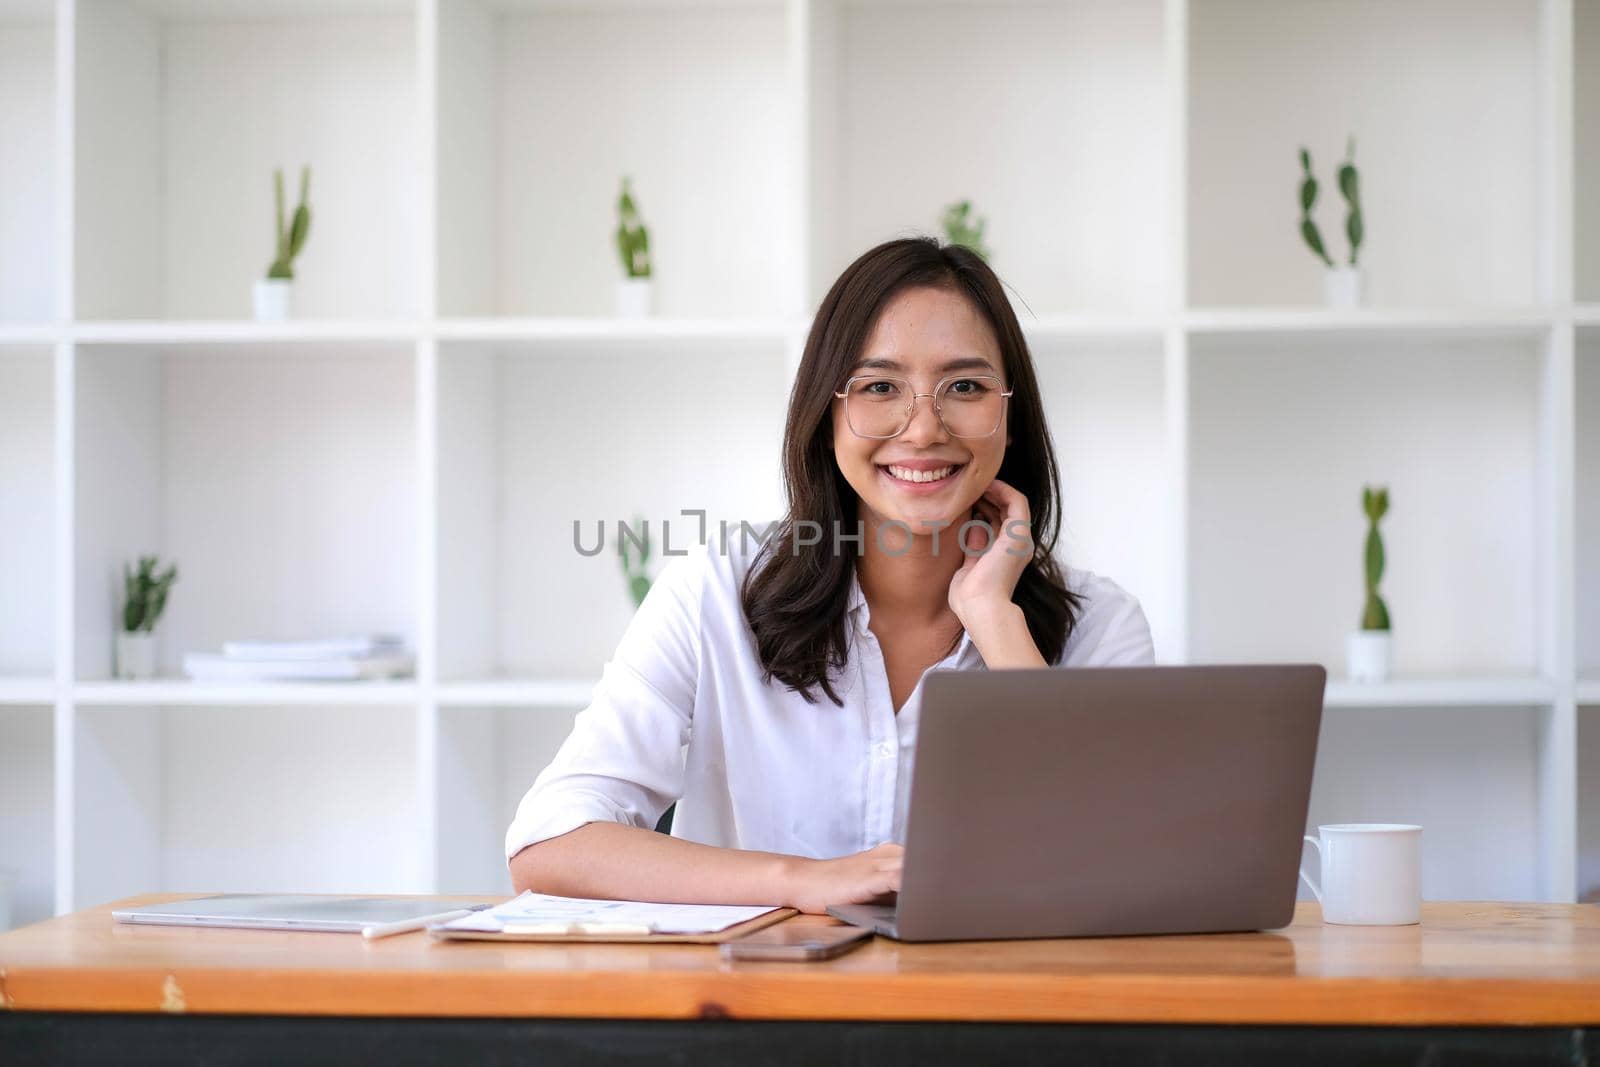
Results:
635 298
1368 653
1343 287
272 299
136 655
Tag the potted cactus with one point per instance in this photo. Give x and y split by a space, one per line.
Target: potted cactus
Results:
634 291
272 292
144 599
961 229
1369 647
1342 285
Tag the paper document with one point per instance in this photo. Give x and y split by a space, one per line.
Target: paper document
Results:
537 913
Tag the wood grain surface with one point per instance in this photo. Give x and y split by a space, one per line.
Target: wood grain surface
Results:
1466 964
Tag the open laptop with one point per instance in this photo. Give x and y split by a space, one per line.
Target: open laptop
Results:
1105 800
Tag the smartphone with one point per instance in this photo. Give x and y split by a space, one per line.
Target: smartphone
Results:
796 941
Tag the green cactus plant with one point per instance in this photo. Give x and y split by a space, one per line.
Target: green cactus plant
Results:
633 240
291 239
959 228
1349 187
145 594
1308 197
634 566
1375 502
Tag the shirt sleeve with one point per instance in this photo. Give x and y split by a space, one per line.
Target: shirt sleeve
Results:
1112 632
623 761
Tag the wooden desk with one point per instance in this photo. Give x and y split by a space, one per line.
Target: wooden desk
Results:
1525 978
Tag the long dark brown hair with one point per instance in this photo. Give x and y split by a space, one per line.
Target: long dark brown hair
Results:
796 599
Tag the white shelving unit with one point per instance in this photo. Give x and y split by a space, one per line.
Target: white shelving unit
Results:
412 451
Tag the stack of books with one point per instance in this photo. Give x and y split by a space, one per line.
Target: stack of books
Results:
340 659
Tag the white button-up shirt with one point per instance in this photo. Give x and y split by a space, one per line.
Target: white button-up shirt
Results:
681 714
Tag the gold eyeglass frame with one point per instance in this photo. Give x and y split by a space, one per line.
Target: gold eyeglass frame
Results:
911 406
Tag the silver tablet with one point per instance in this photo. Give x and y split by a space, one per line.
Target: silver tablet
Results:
282 911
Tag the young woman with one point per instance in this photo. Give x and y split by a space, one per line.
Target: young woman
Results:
772 689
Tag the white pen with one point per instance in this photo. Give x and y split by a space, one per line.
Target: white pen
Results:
405 926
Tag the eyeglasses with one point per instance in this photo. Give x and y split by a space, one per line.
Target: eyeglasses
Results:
968 405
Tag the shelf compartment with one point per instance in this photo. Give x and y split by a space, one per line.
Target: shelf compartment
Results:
529 446
27 512
283 488
27 810
1282 439
180 123
28 177
1479 843
543 108
1059 112
1105 406
1441 98
273 800
488 757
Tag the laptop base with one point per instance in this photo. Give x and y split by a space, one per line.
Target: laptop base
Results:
880 918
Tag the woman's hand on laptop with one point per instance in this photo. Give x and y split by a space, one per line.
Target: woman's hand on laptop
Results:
863 878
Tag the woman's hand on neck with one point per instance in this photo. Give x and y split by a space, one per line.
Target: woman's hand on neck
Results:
982 588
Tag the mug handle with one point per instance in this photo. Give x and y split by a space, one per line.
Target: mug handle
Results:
1316 890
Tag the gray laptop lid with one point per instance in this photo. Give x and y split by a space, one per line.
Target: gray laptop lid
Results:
1115 800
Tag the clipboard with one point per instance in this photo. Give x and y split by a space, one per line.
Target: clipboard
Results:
595 932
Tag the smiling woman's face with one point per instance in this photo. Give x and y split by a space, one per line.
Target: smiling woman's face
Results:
923 335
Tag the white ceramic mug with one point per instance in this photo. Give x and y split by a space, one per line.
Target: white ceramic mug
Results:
1369 873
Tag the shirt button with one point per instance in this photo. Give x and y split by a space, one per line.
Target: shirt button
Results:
883 750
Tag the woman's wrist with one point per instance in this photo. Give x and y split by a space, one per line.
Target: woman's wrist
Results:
785 879
1000 632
